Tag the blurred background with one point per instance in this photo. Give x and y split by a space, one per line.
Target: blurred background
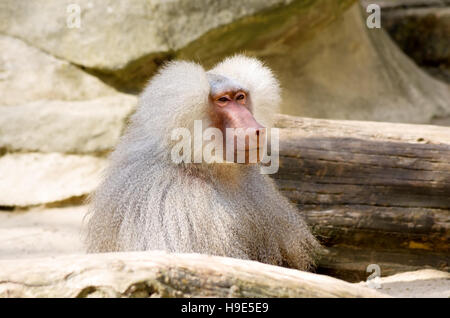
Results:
71 72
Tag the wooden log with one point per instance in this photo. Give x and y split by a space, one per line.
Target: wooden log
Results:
379 186
350 263
159 274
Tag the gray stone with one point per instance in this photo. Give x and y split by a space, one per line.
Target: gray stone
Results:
113 33
36 178
28 74
90 126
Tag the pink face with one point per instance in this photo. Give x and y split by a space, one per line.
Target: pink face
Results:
233 109
224 99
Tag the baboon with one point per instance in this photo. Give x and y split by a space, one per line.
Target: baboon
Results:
148 202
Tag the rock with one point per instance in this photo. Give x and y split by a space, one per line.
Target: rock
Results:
338 69
36 178
125 44
28 74
417 284
90 126
159 274
329 63
113 34
348 71
40 232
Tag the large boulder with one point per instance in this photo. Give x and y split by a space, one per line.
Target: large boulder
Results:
113 34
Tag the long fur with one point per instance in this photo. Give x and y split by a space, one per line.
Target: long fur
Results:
147 202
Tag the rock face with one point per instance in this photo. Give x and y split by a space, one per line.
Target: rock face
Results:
27 74
107 27
125 44
330 65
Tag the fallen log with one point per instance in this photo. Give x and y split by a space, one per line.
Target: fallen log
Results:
369 185
159 274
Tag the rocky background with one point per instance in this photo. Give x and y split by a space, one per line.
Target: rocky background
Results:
66 93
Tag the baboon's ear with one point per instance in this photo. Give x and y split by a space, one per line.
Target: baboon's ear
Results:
263 86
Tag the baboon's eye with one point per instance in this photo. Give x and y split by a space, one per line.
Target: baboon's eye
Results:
240 98
223 99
